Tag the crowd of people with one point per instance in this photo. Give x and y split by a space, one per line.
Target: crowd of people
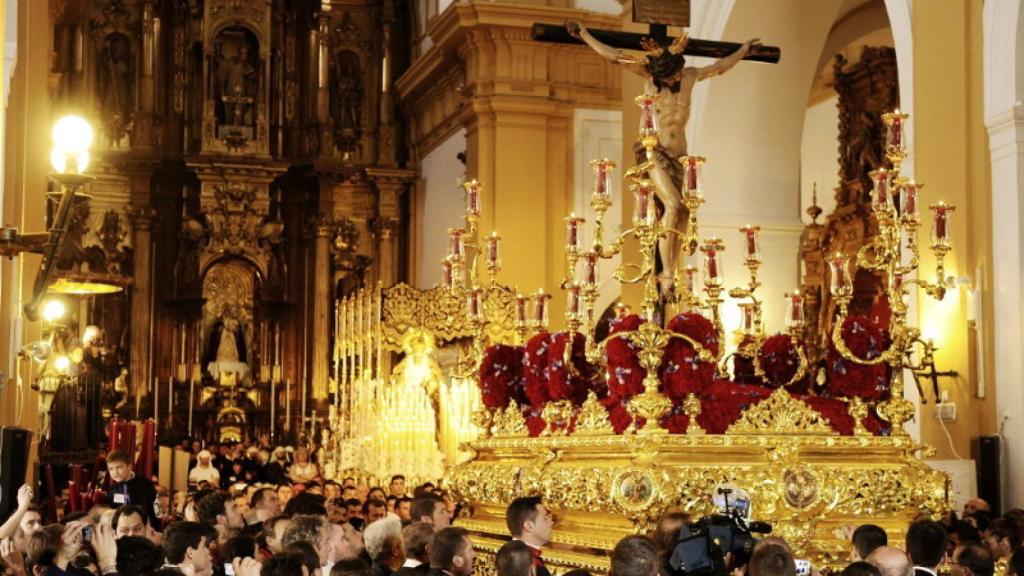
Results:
255 513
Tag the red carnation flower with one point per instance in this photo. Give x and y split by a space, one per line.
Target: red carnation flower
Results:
535 369
847 378
625 375
780 361
501 375
681 372
569 381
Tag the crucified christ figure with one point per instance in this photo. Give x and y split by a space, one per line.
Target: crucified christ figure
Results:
668 78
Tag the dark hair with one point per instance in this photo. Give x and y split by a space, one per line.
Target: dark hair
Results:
43 546
634 556
867 537
577 572
118 456
306 503
926 543
1015 567
287 563
772 560
416 536
976 558
965 532
181 536
310 557
353 502
259 495
127 510
373 502
446 545
982 519
519 511
350 567
666 533
397 477
424 506
137 556
1001 528
860 568
211 506
270 525
514 559
241 546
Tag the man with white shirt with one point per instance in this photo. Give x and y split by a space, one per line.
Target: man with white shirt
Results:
530 521
416 536
926 544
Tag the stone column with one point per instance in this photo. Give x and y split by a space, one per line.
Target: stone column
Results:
390 185
322 226
142 218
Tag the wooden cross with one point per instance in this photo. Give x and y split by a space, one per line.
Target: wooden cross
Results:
659 14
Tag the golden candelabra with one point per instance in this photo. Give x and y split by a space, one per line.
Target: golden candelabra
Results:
895 206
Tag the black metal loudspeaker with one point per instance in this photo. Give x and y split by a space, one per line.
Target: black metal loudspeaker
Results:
15 444
988 458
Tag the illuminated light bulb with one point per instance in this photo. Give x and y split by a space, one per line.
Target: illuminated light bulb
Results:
53 310
72 136
62 363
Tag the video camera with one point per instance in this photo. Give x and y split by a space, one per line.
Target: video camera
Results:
702 547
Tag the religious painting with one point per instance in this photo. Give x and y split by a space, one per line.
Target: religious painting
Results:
633 490
236 82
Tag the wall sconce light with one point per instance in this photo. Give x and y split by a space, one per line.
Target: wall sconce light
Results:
72 137
926 368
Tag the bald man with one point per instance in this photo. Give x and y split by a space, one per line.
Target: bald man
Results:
975 505
891 561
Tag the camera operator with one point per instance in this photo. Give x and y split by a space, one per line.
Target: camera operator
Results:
74 548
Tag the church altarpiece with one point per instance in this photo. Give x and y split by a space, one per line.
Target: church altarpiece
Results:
249 175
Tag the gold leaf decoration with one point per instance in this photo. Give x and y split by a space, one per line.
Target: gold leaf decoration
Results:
510 421
781 414
593 418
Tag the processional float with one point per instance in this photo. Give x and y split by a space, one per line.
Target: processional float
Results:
614 431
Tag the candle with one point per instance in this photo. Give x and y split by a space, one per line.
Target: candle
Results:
492 249
881 198
474 304
842 283
940 226
643 211
690 279
574 300
521 303
602 180
540 308
908 200
648 115
573 238
747 312
712 262
894 123
794 310
691 179
447 274
753 251
590 260
472 197
456 243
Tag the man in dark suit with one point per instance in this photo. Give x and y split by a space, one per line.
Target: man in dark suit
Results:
127 488
451 553
515 558
926 544
530 521
416 536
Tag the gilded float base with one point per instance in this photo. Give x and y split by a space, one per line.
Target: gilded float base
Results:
812 487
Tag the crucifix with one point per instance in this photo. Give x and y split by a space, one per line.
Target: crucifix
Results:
666 76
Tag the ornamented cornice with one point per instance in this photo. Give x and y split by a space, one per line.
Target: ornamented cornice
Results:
781 413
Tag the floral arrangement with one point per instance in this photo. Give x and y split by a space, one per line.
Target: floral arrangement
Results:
851 380
538 373
681 371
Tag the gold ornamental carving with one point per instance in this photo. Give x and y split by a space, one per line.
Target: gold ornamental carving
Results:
781 413
592 418
634 490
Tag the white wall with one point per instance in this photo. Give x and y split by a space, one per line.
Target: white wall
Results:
598 134
439 206
819 156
